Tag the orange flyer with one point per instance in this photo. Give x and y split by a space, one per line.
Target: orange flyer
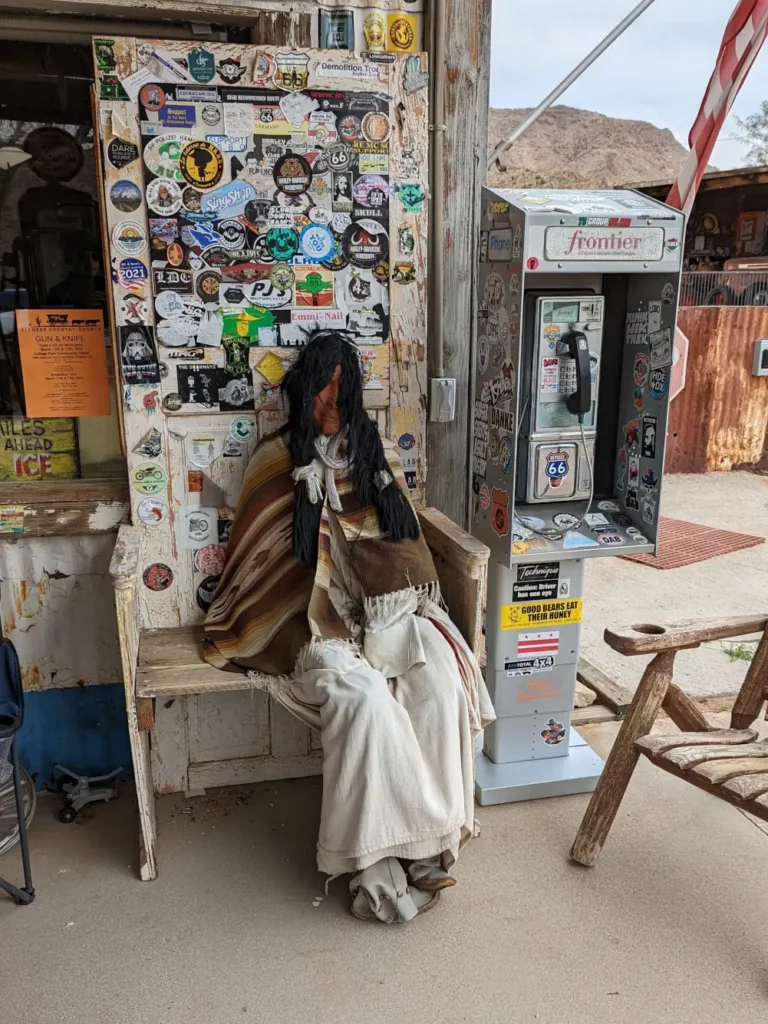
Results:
63 362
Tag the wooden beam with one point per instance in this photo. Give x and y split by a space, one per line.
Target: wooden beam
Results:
67 507
683 712
750 699
610 693
592 715
145 714
654 637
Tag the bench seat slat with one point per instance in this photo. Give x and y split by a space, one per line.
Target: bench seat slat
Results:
171 665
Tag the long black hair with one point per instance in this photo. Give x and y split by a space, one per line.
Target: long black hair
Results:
312 372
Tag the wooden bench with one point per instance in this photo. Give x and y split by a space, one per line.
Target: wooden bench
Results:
731 764
163 670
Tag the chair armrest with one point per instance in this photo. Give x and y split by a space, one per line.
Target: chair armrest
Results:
459 548
652 638
462 568
125 556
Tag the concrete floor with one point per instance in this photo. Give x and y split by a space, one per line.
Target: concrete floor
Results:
618 592
669 928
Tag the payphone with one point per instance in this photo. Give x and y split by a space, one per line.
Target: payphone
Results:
577 302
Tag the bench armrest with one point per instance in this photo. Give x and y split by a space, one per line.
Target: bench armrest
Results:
462 568
653 638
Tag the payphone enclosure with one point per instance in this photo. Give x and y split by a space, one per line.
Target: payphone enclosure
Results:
577 302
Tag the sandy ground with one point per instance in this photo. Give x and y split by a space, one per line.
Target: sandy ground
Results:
618 592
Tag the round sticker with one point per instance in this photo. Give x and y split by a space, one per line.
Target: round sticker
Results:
282 276
201 164
168 305
533 263
207 286
281 243
152 97
133 309
125 196
340 222
210 559
338 260
232 233
129 238
178 332
217 256
121 153
190 197
152 511
565 520
174 254
207 591
158 576
164 196
350 128
376 126
365 243
371 190
608 506
162 153
132 271
149 478
292 174
172 402
163 368
211 114
242 428
316 242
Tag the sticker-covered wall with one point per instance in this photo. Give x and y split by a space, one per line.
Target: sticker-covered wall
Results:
251 196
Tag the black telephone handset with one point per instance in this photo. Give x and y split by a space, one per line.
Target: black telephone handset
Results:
574 343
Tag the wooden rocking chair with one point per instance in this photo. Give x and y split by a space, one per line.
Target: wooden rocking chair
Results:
728 763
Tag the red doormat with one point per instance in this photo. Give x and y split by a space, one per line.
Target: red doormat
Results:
682 543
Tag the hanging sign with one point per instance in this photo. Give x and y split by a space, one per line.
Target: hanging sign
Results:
37 449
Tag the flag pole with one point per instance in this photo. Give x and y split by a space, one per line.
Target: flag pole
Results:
578 71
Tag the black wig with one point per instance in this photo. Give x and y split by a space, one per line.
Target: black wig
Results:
305 380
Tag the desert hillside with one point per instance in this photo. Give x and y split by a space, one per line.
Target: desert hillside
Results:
569 148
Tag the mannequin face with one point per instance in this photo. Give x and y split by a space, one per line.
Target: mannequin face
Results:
325 410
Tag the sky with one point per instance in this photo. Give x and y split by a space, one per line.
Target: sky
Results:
657 71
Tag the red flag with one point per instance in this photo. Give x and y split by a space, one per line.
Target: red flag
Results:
744 36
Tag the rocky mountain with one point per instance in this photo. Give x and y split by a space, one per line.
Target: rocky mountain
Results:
569 148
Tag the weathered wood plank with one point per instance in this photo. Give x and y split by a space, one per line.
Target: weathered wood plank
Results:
611 693
683 712
690 756
622 760
652 638
702 782
239 771
171 665
591 716
661 744
145 714
747 706
720 771
747 787
445 538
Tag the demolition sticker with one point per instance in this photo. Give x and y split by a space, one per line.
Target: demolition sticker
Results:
536 582
541 613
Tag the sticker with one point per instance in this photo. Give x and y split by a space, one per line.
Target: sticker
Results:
411 195
149 478
403 272
336 30
282 276
201 64
595 519
541 613
520 547
292 174
194 481
610 538
231 70
494 291
233 233
151 444
281 243
121 153
539 645
641 368
316 242
314 287
131 271
650 480
158 576
125 196
401 33
661 348
152 511
236 394
365 243
536 582
342 192
210 560
172 402
211 115
565 520
622 519
668 293
164 196
263 68
206 592
175 115
242 429
528 667
201 164
162 154
291 71
138 356
554 732
631 432
152 97
11 519
634 469
172 280
203 448
631 500
608 506
198 526
375 32
500 512
376 126
198 385
133 309
648 444
129 238
658 382
574 539
649 512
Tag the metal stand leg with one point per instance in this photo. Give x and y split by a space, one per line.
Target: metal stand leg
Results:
27 894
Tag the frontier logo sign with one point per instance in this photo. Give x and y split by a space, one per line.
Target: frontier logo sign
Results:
604 244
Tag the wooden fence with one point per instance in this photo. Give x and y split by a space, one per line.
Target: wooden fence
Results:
720 420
